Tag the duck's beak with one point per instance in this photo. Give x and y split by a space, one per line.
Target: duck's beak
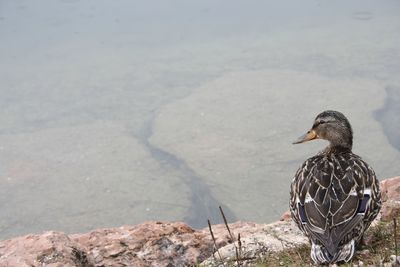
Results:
310 135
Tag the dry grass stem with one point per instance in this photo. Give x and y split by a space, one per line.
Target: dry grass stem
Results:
231 236
215 248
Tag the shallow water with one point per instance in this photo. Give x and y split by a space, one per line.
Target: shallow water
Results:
120 112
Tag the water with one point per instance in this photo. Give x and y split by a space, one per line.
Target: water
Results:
119 112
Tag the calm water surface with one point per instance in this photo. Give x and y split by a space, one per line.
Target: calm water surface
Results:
118 112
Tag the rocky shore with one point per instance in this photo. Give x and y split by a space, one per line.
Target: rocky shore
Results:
166 243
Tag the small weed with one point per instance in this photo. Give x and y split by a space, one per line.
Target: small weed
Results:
298 256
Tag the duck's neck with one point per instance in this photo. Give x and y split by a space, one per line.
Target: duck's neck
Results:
340 140
336 149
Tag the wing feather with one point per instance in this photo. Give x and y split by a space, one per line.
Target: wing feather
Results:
331 190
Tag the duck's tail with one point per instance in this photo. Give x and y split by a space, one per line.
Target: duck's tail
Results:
321 255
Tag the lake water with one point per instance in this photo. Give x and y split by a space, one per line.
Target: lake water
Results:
118 112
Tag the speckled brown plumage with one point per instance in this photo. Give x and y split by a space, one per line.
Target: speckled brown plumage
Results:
335 194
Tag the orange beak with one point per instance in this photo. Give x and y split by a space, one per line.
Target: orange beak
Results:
310 135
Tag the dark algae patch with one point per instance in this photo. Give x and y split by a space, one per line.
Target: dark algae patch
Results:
203 204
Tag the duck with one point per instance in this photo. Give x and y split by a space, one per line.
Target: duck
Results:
334 195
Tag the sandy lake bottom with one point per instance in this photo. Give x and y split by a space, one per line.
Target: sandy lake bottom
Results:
120 114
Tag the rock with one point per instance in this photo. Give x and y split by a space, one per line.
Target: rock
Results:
364 253
147 244
260 241
394 260
47 249
390 189
286 216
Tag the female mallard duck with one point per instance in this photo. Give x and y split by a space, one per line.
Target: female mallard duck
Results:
334 195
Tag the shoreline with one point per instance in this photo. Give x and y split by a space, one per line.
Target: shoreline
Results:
161 243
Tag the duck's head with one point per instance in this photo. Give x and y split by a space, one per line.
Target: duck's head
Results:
332 126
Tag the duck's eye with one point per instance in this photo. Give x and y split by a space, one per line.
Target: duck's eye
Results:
318 123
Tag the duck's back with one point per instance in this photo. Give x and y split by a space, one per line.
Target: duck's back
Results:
334 198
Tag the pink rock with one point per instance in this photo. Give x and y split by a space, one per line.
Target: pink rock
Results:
286 216
390 189
147 244
49 249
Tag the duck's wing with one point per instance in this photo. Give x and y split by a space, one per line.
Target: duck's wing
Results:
334 199
300 185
